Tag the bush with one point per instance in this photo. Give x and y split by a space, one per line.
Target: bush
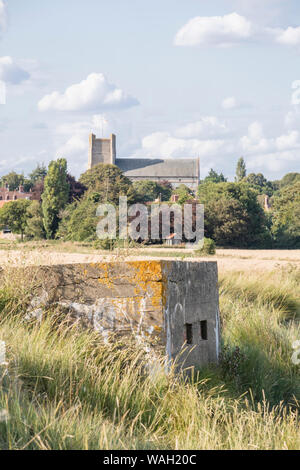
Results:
35 228
109 244
208 248
233 215
106 244
286 217
108 182
79 220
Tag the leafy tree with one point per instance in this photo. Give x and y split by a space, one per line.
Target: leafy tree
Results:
286 216
14 215
241 171
289 179
79 220
27 185
256 179
77 189
108 182
227 222
258 182
13 180
242 207
275 185
35 227
38 174
214 177
164 190
147 191
184 193
208 247
167 185
55 195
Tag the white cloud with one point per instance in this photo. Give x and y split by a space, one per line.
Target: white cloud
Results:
166 145
229 103
288 37
85 126
207 126
218 144
272 154
214 152
292 118
274 162
215 30
255 141
95 92
255 131
11 73
72 138
74 146
17 164
2 15
288 141
232 29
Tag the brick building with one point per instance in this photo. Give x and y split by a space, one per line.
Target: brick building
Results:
7 196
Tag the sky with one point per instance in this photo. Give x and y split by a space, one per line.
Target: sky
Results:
214 79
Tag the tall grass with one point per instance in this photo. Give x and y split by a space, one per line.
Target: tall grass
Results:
66 389
260 315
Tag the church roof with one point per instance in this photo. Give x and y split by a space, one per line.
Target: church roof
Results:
169 168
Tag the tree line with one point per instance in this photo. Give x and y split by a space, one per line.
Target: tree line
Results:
249 212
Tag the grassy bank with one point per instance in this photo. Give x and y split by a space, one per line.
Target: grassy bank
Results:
65 389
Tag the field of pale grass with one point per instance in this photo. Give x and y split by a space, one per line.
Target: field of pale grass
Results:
59 252
62 388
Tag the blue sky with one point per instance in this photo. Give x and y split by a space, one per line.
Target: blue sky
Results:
174 78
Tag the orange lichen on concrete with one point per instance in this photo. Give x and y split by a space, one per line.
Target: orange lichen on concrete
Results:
147 286
137 293
157 328
149 277
107 279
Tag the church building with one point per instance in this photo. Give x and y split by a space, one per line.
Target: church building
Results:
176 171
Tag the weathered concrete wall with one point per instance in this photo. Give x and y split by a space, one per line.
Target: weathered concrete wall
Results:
167 303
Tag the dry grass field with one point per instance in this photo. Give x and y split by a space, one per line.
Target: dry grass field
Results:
68 252
61 388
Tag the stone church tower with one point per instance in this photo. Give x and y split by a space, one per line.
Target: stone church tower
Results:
102 150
